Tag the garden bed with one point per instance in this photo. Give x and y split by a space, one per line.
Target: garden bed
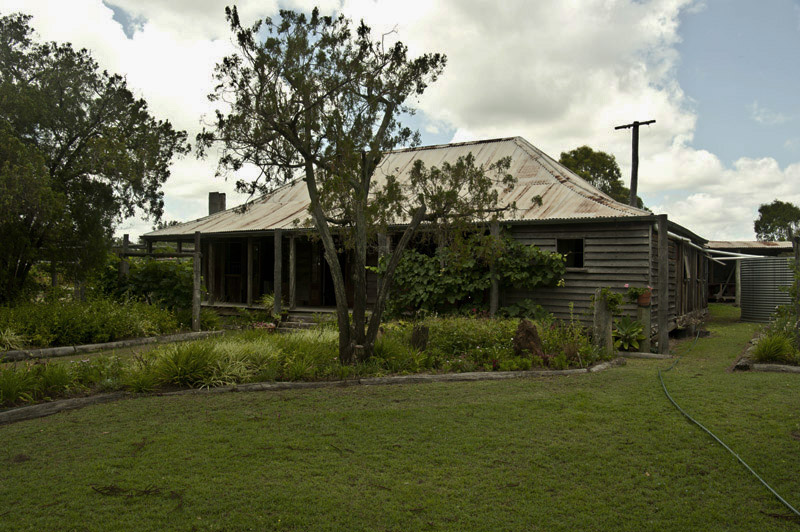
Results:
750 361
23 413
46 324
65 351
455 346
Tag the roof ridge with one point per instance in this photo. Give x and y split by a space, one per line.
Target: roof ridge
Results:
451 145
579 187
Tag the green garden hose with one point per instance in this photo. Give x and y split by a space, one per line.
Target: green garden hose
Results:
690 418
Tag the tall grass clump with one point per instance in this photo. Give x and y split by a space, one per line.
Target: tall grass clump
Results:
17 385
776 347
186 364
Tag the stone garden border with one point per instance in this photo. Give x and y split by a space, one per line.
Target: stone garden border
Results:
52 352
24 413
746 364
636 354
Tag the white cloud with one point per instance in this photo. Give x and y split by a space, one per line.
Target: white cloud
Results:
563 74
560 73
765 116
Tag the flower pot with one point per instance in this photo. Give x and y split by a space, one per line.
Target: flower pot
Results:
644 299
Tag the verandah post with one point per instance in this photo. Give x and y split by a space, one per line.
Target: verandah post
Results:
494 295
663 285
292 271
278 260
250 276
196 269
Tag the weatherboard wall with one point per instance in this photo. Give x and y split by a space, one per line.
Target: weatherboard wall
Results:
615 254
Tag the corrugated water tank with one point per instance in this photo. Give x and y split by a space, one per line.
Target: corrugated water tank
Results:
764 284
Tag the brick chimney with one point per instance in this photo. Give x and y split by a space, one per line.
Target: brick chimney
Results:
216 202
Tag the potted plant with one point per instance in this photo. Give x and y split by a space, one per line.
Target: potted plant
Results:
640 294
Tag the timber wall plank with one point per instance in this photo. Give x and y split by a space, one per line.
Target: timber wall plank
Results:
614 255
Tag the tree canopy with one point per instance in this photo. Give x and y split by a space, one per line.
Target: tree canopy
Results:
778 220
314 96
599 169
80 152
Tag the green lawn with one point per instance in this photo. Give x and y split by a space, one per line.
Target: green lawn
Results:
601 451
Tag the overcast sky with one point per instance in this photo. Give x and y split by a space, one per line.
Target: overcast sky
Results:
721 77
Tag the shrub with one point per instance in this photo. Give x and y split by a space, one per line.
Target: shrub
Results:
139 375
525 308
396 355
209 320
167 283
10 340
628 333
17 385
53 323
185 364
570 339
482 340
51 379
101 372
776 347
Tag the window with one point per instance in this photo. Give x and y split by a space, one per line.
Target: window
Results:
572 249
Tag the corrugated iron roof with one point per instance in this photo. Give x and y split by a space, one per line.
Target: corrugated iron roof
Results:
747 244
564 195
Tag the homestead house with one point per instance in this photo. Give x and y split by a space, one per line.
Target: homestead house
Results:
266 248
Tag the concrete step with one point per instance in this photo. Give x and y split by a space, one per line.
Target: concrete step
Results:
298 325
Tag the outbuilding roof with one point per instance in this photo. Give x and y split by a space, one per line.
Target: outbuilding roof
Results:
748 244
564 194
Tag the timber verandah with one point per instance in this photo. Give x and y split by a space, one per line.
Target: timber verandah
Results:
238 269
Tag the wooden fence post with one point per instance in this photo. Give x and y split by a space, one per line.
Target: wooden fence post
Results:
601 334
602 322
124 267
196 265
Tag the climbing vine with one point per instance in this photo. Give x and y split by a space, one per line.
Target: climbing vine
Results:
460 274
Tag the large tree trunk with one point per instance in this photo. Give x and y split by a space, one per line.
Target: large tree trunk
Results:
321 223
357 336
388 277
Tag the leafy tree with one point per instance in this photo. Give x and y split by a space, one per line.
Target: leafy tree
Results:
90 146
27 205
313 96
778 220
599 169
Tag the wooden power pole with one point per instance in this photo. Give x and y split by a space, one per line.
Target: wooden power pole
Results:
635 158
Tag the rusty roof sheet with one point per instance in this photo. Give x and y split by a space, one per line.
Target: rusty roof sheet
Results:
564 195
747 244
